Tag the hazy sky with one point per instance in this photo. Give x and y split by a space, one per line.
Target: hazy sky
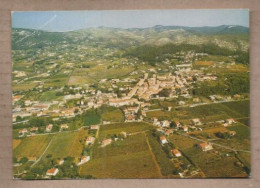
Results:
73 20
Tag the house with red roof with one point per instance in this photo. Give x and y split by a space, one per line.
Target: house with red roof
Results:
163 140
52 172
90 140
176 152
205 146
83 160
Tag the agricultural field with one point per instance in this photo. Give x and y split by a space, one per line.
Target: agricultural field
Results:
214 163
131 127
166 166
131 153
163 115
24 86
32 146
112 114
66 144
49 96
91 118
16 142
138 165
204 63
241 141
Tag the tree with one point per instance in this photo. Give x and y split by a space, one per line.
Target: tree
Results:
37 170
15 160
173 124
19 118
49 156
76 111
23 160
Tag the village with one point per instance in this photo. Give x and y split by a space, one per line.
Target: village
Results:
134 103
157 102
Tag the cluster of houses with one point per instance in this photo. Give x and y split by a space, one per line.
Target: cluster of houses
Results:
24 132
34 130
205 146
131 113
178 125
158 123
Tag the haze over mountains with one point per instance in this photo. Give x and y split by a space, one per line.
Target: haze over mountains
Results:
233 37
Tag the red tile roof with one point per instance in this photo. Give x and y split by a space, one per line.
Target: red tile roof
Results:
51 171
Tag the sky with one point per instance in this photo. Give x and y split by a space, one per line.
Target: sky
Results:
73 20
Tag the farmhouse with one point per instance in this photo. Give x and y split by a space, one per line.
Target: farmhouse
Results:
64 126
176 152
83 160
166 123
184 128
130 117
230 121
94 127
168 132
52 172
163 140
155 121
90 140
205 146
106 142
34 129
60 162
177 124
49 128
23 131
196 121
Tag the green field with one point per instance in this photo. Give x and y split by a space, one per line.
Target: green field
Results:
91 118
131 127
133 165
161 115
134 143
48 96
242 107
167 167
113 115
67 144
32 146
212 163
128 158
24 86
241 140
